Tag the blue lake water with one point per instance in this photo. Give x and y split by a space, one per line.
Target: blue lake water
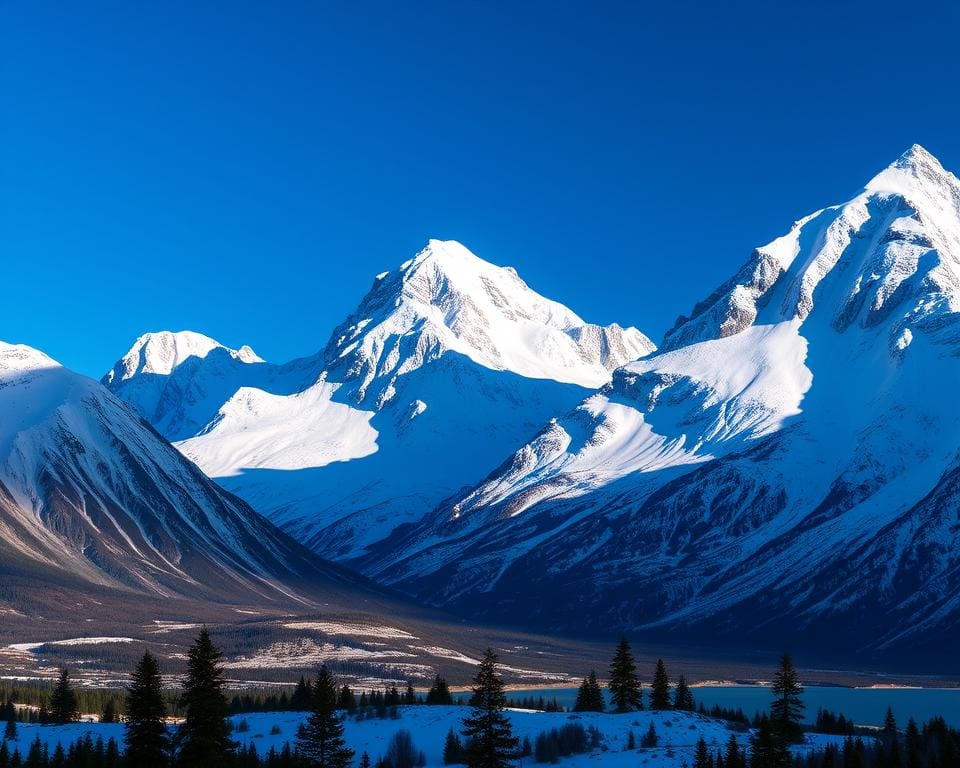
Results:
865 706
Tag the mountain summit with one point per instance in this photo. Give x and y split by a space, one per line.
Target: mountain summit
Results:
448 363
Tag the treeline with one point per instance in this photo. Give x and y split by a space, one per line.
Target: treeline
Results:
538 703
626 689
205 739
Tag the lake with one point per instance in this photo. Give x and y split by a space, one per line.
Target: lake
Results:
865 706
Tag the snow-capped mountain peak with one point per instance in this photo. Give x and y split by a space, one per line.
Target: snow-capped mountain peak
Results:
161 352
790 451
446 299
19 358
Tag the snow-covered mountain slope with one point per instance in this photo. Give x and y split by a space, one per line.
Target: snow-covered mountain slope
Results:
90 494
787 459
448 363
178 381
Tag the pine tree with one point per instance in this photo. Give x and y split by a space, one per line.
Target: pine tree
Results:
300 700
439 692
889 732
767 748
660 690
320 739
650 738
109 712
204 735
589 695
683 697
146 738
733 757
346 700
702 757
364 760
409 695
913 744
10 730
487 730
624 686
452 749
63 701
787 708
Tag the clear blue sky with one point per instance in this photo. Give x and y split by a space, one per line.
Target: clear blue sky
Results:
244 169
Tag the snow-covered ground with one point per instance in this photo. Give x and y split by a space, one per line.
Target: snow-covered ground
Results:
678 733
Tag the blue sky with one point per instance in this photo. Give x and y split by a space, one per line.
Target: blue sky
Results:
244 169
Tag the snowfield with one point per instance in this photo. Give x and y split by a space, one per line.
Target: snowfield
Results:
678 733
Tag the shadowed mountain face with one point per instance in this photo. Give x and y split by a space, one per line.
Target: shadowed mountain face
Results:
92 496
448 364
783 466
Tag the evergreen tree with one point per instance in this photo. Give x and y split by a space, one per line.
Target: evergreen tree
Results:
487 730
660 690
624 686
787 708
767 748
733 757
364 760
320 739
409 695
914 744
10 730
439 692
889 732
204 736
589 695
452 749
300 700
650 738
346 700
109 712
683 697
702 757
63 701
146 739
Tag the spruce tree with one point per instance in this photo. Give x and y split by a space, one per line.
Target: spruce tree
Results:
589 695
702 757
683 697
439 692
346 700
889 732
734 756
63 701
452 749
320 741
787 708
146 738
109 712
913 743
487 730
624 686
10 730
767 748
300 700
204 737
660 690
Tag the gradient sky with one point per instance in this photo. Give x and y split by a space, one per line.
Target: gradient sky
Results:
245 169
